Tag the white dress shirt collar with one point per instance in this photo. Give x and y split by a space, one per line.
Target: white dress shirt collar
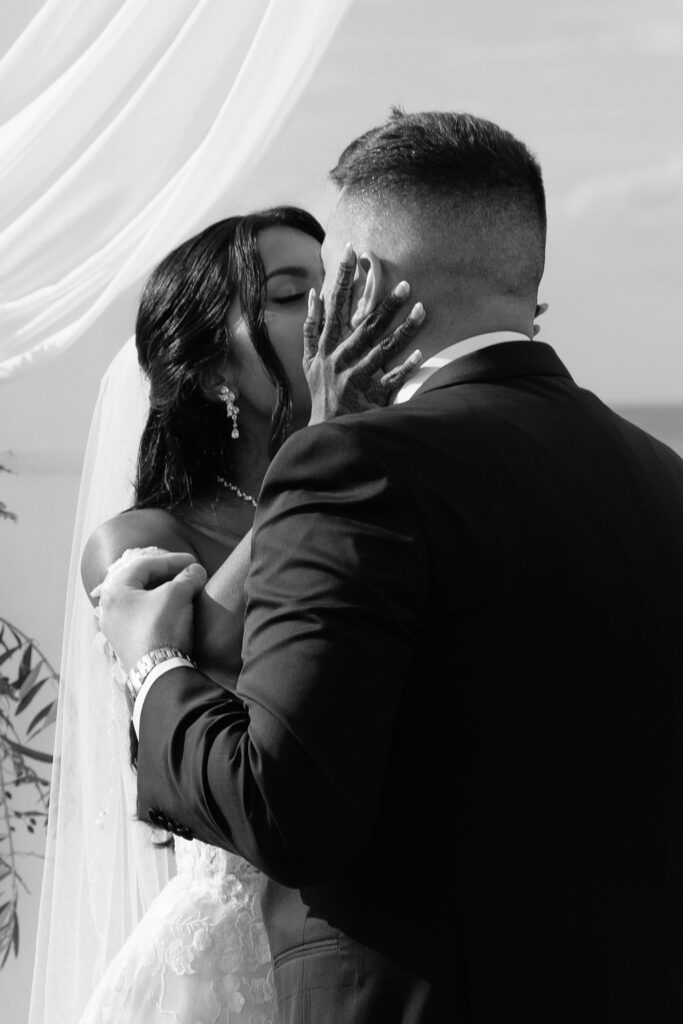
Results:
447 355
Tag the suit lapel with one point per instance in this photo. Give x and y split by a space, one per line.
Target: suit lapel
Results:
509 359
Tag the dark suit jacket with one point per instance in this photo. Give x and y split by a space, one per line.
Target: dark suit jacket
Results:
458 757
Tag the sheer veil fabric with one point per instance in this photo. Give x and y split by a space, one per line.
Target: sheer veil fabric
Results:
102 866
91 206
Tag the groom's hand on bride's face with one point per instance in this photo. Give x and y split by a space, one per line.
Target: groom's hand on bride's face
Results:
148 603
344 367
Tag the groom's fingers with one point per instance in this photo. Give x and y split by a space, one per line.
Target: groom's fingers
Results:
337 316
147 571
188 582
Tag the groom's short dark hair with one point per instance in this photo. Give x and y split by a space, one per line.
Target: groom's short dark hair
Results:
443 155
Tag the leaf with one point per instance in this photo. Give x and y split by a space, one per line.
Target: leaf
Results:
25 666
9 652
28 680
38 755
48 713
15 934
29 693
6 914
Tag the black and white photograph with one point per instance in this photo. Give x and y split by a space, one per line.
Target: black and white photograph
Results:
341 512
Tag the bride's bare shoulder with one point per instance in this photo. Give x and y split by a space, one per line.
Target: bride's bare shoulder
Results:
139 528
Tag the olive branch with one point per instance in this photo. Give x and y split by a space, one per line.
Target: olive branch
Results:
28 705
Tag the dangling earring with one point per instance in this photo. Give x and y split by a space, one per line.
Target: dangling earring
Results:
228 396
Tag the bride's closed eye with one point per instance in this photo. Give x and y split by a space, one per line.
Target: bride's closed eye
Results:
284 300
290 285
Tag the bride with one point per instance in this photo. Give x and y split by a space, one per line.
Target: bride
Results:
219 338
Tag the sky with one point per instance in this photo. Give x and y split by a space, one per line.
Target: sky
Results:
593 87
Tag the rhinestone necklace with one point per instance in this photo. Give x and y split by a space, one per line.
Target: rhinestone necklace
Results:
237 491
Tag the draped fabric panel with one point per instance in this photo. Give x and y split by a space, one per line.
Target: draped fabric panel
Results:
141 118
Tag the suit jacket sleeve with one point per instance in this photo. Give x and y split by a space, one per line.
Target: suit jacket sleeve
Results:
290 773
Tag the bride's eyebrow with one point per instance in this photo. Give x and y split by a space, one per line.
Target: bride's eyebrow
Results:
290 272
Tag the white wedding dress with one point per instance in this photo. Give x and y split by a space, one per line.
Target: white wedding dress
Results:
200 954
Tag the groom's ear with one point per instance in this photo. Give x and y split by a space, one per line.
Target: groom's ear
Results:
370 284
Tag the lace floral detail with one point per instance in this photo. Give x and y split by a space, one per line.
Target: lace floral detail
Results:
200 954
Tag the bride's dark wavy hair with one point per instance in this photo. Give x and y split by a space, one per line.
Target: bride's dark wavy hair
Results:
181 331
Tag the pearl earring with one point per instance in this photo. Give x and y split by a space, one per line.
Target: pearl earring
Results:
228 396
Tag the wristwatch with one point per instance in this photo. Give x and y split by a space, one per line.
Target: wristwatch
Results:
142 668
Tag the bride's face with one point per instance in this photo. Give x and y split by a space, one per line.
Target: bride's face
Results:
292 266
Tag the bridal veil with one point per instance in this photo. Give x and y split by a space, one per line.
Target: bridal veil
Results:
102 866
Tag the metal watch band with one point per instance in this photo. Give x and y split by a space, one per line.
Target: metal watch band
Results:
137 675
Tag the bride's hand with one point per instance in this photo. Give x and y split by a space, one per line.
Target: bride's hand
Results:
344 374
540 310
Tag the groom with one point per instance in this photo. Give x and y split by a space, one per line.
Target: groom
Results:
456 752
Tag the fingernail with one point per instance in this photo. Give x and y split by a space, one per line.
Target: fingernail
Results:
402 290
416 358
417 312
348 252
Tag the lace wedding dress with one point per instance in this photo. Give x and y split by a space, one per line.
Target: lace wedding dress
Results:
200 954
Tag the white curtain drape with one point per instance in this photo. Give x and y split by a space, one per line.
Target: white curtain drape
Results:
124 127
